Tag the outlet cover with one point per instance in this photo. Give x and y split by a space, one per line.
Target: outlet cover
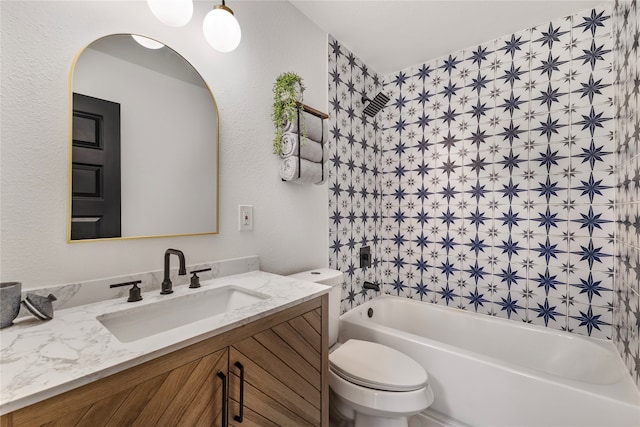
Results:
245 217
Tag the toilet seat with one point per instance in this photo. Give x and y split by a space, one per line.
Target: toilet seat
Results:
377 367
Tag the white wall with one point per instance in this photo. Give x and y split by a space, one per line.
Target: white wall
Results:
39 43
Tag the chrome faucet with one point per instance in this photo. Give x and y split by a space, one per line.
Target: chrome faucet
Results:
166 283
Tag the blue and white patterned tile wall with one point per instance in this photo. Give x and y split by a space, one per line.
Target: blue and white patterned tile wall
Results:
498 181
496 176
355 170
626 30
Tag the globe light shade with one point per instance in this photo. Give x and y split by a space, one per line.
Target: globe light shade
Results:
175 13
221 29
147 42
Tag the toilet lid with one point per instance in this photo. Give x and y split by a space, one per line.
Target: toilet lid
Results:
376 366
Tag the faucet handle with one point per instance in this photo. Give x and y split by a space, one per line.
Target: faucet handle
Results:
195 280
134 292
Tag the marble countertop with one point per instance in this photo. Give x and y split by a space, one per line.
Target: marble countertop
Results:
39 360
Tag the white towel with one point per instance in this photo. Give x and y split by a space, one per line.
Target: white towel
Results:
310 172
313 125
309 149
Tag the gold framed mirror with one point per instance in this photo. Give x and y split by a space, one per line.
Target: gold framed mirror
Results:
143 152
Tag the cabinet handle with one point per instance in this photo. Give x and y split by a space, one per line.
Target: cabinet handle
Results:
225 420
238 418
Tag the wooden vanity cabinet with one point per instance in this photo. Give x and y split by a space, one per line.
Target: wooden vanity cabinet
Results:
283 381
179 389
279 363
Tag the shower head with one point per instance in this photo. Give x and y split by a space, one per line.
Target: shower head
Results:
376 105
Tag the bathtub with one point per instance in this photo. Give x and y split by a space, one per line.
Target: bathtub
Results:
487 371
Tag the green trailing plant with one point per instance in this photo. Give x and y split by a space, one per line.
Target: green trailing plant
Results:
287 91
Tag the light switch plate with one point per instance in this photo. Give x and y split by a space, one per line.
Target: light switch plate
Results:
245 217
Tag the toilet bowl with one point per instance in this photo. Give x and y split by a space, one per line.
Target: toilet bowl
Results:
371 385
375 385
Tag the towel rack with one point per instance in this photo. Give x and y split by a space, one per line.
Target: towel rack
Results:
312 110
322 116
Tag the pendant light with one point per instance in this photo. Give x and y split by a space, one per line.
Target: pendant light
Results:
147 42
175 13
221 29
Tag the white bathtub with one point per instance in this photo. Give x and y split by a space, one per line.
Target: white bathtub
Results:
487 371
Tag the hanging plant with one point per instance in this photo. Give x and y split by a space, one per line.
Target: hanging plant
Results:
287 93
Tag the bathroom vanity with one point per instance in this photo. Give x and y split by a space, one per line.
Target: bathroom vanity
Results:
266 366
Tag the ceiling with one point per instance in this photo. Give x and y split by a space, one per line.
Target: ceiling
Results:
395 34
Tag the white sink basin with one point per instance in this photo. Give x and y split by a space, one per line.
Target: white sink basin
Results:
140 322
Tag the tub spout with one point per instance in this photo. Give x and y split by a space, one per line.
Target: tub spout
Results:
369 285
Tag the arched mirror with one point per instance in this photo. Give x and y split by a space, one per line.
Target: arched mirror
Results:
144 145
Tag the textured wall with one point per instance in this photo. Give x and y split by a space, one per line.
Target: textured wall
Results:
39 43
626 30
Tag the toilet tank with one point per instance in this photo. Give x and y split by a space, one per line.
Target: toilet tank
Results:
335 279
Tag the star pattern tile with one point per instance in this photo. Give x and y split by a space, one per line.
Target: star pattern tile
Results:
355 178
490 182
625 29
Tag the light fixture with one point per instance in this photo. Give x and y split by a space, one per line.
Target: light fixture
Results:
221 29
147 42
175 13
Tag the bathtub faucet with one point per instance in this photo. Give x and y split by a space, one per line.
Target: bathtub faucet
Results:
369 285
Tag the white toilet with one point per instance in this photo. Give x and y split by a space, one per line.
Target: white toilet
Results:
371 385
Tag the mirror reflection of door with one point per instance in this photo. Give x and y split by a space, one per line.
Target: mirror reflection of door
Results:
168 141
95 203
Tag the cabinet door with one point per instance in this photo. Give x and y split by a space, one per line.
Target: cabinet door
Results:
187 395
282 375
